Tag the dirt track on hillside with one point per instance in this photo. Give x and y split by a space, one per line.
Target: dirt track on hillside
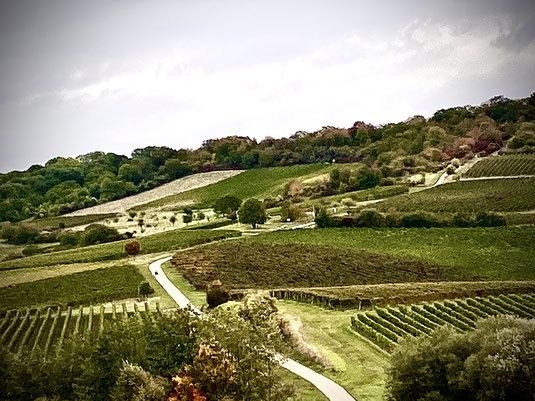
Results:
173 187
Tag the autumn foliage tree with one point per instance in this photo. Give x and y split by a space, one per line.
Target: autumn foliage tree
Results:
132 248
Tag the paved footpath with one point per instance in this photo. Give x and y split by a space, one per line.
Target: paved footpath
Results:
333 391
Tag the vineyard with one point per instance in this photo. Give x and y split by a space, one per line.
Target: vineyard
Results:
498 195
386 326
39 332
503 166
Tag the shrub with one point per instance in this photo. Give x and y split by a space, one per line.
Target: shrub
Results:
132 248
70 238
489 219
496 361
30 250
132 214
99 234
172 220
136 384
370 218
323 219
200 215
145 289
217 294
290 212
462 220
187 218
420 219
19 234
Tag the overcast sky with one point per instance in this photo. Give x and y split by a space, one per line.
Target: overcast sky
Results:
79 76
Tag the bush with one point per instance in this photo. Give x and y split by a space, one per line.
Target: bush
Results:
136 384
187 218
132 248
19 234
145 289
323 220
489 219
70 238
420 219
99 234
200 215
370 218
290 212
462 220
172 220
496 361
217 294
30 250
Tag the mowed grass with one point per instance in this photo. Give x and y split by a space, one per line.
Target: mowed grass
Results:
161 242
354 364
87 287
250 183
247 264
499 195
503 166
505 253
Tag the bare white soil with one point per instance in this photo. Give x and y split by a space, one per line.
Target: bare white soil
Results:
174 187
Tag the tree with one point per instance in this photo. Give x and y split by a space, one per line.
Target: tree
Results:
187 218
367 178
99 234
227 204
132 248
140 223
252 212
172 220
217 294
495 362
144 289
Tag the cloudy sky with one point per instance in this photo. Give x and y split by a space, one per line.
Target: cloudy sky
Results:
79 76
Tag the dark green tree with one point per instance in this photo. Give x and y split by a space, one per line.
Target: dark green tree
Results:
252 212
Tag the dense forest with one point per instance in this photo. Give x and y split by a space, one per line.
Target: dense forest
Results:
393 150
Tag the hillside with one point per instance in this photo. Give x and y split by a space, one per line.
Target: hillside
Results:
393 150
172 188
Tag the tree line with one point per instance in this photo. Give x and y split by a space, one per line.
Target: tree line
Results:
63 185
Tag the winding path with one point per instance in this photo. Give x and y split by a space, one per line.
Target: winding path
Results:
333 391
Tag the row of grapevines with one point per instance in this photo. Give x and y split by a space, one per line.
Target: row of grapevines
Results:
386 326
41 331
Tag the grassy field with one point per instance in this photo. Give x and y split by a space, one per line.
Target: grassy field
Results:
505 253
247 264
251 183
161 242
79 288
352 296
500 195
503 166
355 365
51 223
